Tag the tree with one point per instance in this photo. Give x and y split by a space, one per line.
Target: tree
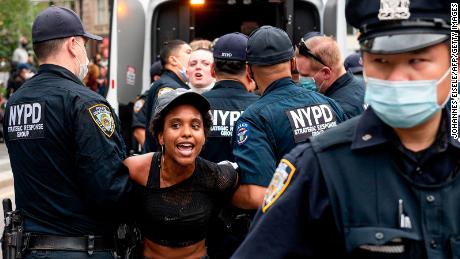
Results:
16 18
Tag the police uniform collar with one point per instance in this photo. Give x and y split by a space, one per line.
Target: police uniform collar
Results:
175 77
339 83
233 84
372 131
282 82
60 71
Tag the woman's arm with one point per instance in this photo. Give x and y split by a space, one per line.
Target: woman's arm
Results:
139 167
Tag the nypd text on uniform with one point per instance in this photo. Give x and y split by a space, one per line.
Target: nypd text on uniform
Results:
223 122
310 121
25 120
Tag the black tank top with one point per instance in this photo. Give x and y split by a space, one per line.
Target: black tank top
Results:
179 215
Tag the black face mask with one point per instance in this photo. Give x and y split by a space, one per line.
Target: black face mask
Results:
24 44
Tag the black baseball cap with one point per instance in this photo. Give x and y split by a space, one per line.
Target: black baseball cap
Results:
269 46
231 46
156 69
398 26
58 22
312 34
353 63
180 96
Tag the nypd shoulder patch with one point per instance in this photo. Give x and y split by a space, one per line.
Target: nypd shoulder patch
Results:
280 181
138 105
164 90
102 116
242 133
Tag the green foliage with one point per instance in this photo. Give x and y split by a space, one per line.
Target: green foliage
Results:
16 18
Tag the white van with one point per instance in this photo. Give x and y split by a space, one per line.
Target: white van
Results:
139 28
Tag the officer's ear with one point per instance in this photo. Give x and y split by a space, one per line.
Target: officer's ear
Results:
71 46
173 61
249 72
327 73
293 65
213 70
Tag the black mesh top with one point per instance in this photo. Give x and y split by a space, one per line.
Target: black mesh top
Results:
178 215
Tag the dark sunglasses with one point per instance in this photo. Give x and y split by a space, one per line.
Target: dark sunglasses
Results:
305 51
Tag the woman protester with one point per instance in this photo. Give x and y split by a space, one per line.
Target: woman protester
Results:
179 192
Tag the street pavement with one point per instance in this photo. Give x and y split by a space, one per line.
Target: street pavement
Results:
6 180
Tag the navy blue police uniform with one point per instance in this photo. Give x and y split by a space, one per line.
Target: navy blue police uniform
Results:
331 195
139 112
168 81
356 191
348 92
228 99
284 116
66 152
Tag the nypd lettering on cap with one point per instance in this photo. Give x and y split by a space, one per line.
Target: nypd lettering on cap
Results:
310 121
242 133
102 116
223 122
26 121
226 54
280 181
394 10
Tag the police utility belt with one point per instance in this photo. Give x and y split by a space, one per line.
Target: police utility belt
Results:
15 242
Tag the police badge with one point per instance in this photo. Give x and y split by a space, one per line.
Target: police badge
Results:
394 10
281 179
102 116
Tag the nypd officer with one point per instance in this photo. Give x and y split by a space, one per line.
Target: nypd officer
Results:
65 148
139 111
174 57
384 184
284 116
230 95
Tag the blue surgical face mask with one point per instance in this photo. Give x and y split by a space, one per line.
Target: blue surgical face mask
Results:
183 71
83 67
403 104
308 83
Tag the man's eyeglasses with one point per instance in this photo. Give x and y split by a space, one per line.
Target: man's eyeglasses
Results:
305 51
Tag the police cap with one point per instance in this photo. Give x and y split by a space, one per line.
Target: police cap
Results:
268 46
156 69
353 63
398 26
168 100
58 22
312 34
231 46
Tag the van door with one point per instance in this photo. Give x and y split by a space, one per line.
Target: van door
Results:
126 52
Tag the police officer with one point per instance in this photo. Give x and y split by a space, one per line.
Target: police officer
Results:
139 111
384 184
230 95
66 148
284 116
319 58
174 57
